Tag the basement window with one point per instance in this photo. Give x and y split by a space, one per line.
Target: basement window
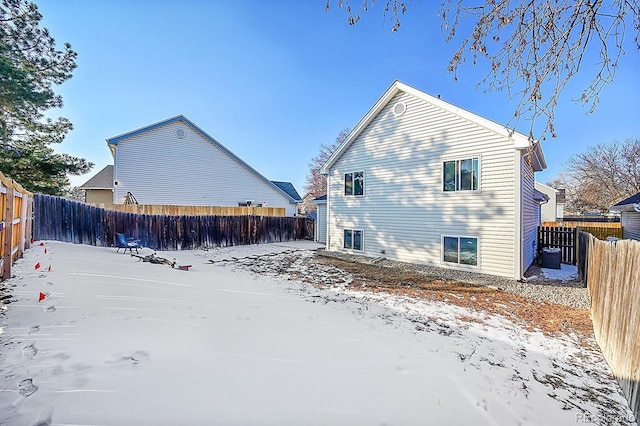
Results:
353 239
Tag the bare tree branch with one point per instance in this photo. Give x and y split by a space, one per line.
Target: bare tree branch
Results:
601 176
532 49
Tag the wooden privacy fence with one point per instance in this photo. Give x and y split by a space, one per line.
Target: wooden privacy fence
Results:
612 274
16 207
571 224
200 210
559 237
566 239
70 221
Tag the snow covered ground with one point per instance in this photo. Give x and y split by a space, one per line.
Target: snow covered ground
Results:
120 342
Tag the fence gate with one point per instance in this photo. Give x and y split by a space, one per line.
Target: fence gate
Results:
309 229
559 237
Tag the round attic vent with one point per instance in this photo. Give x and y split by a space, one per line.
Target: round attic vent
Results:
180 133
399 109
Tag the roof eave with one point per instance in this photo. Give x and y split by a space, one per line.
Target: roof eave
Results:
538 162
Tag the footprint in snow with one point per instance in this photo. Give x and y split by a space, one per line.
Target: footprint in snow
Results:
30 352
51 308
133 359
34 329
482 404
27 388
45 418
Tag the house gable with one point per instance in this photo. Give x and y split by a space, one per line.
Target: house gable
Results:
176 162
520 141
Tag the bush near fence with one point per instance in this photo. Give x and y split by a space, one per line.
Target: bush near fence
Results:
71 221
16 206
611 271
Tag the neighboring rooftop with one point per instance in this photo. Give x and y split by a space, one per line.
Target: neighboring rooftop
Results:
288 188
102 180
634 199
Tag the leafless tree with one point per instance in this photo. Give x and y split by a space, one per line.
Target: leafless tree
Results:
316 184
601 176
531 49
74 193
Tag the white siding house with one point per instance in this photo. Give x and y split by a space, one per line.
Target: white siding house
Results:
629 216
422 181
321 219
175 162
549 209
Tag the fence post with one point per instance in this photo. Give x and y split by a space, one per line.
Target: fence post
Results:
23 224
8 233
576 244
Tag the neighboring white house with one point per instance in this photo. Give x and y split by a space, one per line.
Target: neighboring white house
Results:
629 216
423 181
549 210
175 162
321 219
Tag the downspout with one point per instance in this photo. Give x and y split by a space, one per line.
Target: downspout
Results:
327 245
115 177
518 216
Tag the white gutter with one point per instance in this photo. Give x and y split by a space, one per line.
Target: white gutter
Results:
328 221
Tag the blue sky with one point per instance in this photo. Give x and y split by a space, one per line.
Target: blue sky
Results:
273 80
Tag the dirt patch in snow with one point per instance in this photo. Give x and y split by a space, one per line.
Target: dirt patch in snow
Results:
547 317
325 271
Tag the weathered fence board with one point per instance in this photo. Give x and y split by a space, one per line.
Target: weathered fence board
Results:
559 237
70 221
15 223
612 273
569 224
566 239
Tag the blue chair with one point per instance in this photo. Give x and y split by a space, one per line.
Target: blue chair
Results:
125 243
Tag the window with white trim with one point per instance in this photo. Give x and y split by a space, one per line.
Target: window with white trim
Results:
460 250
354 183
353 239
460 175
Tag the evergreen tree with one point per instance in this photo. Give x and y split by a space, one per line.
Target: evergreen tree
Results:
30 67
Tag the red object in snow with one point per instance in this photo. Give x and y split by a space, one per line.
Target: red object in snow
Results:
49 270
45 250
41 244
37 265
41 297
184 267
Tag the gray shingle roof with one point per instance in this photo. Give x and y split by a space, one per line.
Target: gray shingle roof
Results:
288 188
102 180
631 200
